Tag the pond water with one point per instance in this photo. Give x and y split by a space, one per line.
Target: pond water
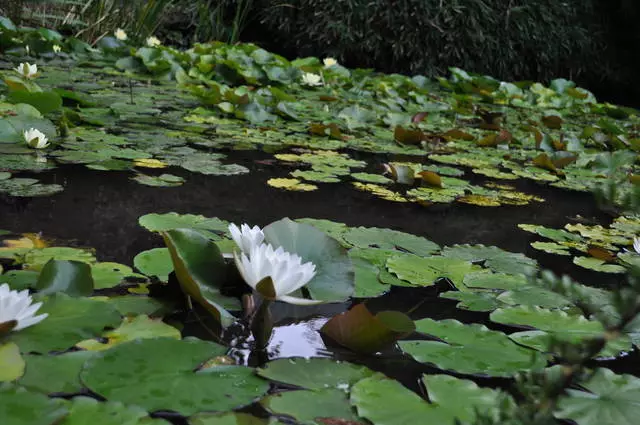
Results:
426 207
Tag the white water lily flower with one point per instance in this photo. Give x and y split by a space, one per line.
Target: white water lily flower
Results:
18 306
311 79
286 271
120 34
328 62
56 48
27 70
35 138
246 237
153 41
636 244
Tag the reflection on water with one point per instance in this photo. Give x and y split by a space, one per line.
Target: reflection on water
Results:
299 339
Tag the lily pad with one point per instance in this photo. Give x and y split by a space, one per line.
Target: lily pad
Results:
334 279
471 349
363 237
314 373
154 262
21 407
70 320
55 374
313 407
137 372
608 399
425 271
11 362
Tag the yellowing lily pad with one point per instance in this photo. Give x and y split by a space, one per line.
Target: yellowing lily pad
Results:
291 184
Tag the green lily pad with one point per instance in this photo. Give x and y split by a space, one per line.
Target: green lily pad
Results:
11 362
138 327
55 374
70 320
608 399
137 372
496 259
425 271
598 265
312 407
84 410
384 401
163 180
230 418
314 373
334 279
154 262
363 237
212 227
557 324
471 349
21 407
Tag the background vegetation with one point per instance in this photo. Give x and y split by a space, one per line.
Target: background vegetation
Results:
590 41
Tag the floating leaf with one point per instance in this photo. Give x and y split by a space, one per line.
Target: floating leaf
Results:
201 270
71 277
137 372
361 331
314 373
320 407
70 320
334 279
471 349
365 237
384 401
154 262
130 329
21 407
162 222
84 410
55 374
291 184
11 362
425 271
608 399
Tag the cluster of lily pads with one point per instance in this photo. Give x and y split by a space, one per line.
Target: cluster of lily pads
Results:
450 128
106 328
106 344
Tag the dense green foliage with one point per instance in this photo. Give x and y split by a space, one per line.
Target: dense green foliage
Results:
509 39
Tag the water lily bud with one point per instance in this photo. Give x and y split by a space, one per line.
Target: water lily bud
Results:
329 62
120 34
153 41
311 79
27 70
35 138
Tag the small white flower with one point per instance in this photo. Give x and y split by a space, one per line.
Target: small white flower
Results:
27 70
56 48
153 41
120 34
311 79
35 138
18 306
246 237
286 271
329 62
636 244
